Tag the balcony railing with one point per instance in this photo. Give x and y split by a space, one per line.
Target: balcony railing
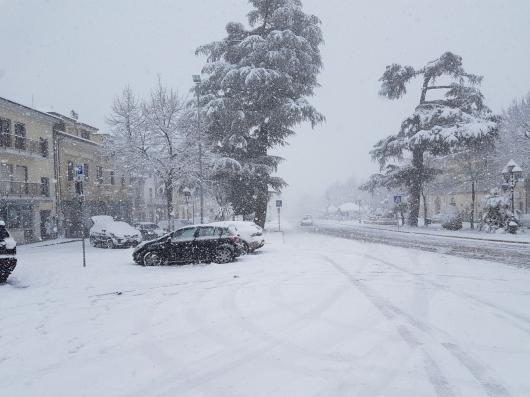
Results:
22 189
22 144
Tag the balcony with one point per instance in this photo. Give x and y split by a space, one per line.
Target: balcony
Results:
20 144
14 189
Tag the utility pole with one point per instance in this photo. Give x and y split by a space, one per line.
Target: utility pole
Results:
197 81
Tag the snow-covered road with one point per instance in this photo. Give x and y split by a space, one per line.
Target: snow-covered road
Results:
507 249
314 316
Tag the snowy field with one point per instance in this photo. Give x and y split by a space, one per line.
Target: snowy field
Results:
311 316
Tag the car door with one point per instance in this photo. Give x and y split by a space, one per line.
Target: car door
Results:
182 245
206 242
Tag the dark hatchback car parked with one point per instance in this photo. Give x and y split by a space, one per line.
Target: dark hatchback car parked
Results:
189 245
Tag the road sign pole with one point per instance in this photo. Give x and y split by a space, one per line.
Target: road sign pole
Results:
279 204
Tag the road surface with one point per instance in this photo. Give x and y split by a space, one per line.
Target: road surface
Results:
312 316
512 253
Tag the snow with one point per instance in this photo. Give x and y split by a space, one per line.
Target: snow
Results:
522 236
313 315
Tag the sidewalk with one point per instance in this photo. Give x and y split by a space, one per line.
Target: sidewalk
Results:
48 243
523 237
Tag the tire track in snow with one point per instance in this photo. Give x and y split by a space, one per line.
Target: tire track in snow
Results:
480 372
437 379
477 301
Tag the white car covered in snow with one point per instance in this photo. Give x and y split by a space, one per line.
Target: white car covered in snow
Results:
108 233
250 234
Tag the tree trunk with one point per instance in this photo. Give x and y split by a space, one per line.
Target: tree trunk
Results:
472 220
416 187
424 197
169 199
260 210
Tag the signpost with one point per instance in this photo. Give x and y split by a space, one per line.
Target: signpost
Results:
79 177
279 206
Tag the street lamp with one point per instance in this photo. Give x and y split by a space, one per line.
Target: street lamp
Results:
512 173
197 81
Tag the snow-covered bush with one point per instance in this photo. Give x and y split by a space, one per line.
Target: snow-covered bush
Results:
497 213
451 219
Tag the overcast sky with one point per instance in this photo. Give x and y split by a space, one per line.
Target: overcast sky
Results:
63 55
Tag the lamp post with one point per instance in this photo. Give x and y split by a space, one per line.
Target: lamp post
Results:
512 173
197 81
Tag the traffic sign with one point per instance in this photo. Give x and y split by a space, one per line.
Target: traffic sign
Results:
279 203
397 199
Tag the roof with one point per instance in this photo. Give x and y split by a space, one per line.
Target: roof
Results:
63 117
43 114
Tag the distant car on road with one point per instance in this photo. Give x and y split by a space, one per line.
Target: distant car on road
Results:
108 233
149 230
8 250
307 220
251 235
193 244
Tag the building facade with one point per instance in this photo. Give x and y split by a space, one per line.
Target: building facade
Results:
27 184
39 196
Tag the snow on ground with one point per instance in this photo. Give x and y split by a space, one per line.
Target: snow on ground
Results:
523 235
311 316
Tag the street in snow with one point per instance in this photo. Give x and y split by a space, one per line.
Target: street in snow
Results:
309 315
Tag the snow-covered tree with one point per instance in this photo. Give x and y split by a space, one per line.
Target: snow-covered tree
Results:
515 134
439 125
255 90
517 118
147 138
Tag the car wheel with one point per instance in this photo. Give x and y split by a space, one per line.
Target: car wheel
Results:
108 244
223 255
152 259
245 249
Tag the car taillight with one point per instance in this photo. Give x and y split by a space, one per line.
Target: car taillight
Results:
234 239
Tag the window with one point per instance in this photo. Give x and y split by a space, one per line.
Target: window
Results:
99 174
45 187
70 170
150 194
5 131
183 234
21 173
85 135
19 216
112 177
20 136
86 168
123 181
207 232
43 147
6 172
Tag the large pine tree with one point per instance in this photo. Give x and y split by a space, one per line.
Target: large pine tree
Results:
258 79
451 122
